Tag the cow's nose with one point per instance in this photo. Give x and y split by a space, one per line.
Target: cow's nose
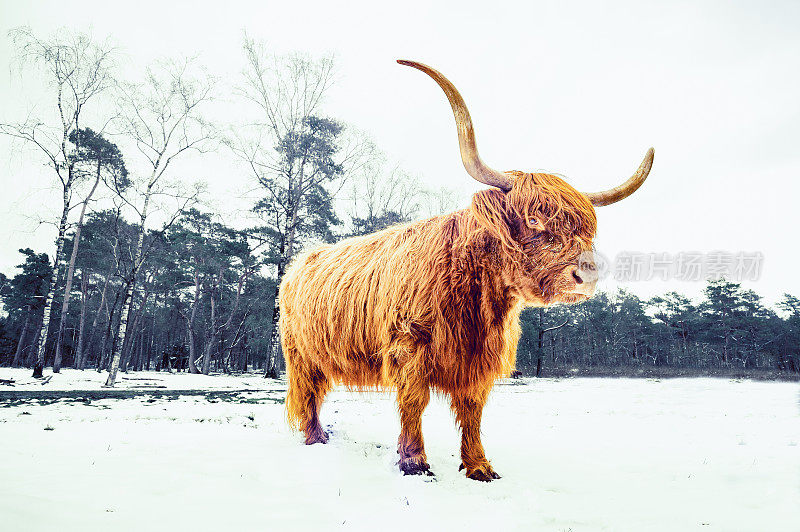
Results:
576 275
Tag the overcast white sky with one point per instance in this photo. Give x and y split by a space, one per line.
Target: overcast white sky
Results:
577 88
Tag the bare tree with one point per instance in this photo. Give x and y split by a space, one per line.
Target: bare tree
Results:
380 198
299 159
78 70
163 119
439 201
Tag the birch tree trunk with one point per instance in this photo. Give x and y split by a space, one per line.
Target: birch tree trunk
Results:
119 338
127 344
130 348
126 301
273 346
31 357
41 343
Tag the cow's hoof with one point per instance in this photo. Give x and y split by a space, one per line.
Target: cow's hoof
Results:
319 436
484 473
415 466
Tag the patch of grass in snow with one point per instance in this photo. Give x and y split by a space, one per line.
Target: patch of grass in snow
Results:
88 397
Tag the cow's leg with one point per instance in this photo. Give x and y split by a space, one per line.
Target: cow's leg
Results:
468 409
307 388
412 398
315 395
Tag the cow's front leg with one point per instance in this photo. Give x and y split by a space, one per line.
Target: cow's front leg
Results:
468 409
412 398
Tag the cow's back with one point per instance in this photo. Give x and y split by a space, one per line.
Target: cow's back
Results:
344 306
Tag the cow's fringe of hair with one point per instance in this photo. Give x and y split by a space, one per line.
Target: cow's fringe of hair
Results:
544 202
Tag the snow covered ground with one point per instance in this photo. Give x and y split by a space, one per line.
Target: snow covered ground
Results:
575 454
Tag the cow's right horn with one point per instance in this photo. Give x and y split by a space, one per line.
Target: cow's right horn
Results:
613 195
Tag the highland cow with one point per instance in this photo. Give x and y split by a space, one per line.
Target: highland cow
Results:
435 304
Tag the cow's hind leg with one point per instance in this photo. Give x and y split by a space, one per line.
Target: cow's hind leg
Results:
412 398
468 409
307 388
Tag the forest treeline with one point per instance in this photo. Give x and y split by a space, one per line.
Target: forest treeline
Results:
730 328
146 274
204 304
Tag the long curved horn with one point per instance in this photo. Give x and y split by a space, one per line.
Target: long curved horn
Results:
613 195
466 135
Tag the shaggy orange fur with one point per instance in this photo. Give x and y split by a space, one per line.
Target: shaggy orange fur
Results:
431 304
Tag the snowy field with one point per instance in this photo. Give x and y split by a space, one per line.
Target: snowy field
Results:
575 454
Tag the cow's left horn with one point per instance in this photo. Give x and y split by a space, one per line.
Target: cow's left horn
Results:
466 135
607 197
